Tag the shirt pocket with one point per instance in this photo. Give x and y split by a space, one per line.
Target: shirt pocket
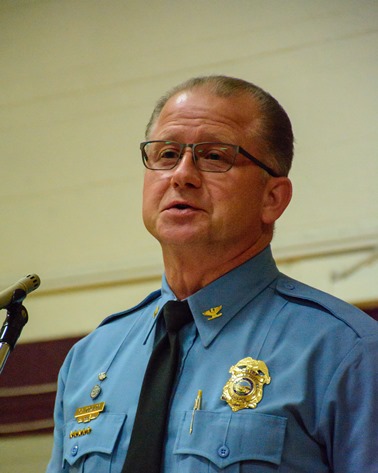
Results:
88 447
234 442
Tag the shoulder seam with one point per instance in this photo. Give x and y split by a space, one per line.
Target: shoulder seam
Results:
151 297
287 290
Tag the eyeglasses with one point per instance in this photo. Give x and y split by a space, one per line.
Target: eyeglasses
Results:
160 155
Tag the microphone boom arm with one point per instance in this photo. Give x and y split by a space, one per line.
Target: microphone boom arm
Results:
17 317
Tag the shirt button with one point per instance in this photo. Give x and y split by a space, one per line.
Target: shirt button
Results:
223 451
74 450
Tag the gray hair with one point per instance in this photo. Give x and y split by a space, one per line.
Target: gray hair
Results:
274 126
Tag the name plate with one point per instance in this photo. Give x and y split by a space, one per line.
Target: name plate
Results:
88 413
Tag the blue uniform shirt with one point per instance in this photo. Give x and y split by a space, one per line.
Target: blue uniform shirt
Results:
318 413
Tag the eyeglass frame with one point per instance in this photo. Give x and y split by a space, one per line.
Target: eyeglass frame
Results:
238 150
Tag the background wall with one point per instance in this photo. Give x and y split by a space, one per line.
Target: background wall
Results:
78 80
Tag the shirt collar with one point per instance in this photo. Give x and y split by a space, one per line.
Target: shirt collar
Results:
216 304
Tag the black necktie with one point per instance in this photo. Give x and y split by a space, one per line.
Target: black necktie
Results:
145 450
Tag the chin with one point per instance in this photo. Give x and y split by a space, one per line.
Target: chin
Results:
179 238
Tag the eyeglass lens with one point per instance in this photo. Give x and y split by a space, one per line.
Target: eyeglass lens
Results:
212 157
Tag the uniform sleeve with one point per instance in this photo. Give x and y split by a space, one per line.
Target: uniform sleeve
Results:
349 417
56 461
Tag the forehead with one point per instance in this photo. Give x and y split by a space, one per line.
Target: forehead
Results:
201 112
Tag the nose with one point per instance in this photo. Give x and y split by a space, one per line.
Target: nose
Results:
186 173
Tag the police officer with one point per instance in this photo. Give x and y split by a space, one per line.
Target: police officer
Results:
273 375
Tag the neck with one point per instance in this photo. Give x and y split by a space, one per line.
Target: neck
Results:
188 270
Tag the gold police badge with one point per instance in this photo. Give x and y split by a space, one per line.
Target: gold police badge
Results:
244 390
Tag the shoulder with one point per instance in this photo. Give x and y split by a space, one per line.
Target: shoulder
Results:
144 303
106 336
335 310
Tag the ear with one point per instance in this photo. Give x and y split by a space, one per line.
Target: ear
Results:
277 196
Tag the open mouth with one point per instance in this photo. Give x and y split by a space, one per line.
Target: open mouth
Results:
182 207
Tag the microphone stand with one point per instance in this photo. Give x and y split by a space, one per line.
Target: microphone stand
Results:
17 317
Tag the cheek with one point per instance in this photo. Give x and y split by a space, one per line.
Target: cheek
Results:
153 191
245 201
148 198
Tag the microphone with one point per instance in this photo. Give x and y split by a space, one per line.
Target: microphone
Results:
17 315
27 284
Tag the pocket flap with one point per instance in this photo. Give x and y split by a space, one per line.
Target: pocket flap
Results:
226 438
97 436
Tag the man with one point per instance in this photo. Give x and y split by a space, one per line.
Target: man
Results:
273 375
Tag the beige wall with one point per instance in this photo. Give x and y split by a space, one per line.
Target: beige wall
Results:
78 79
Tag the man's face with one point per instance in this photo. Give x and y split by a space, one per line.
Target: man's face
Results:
185 206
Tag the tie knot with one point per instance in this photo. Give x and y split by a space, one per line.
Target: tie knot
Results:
176 314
